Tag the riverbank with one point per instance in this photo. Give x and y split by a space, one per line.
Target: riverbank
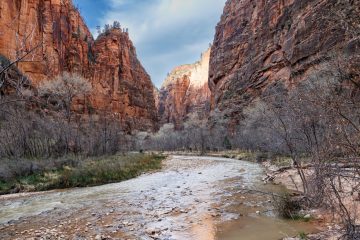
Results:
74 171
279 171
331 223
189 198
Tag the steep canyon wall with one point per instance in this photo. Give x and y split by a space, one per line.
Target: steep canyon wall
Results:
63 42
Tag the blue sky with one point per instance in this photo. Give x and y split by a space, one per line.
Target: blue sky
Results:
166 33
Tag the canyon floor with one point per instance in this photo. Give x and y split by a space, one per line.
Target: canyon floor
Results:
190 198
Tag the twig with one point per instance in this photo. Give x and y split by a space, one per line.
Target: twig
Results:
19 59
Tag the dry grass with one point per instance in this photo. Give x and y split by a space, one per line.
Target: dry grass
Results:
81 173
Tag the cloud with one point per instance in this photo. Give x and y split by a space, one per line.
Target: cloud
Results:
166 33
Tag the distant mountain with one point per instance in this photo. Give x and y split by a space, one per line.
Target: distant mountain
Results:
185 91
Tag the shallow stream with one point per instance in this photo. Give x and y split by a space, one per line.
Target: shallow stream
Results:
190 198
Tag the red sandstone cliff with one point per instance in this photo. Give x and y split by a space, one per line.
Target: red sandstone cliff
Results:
185 91
262 44
121 85
54 23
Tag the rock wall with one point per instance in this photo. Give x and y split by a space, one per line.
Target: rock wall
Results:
53 25
121 85
261 44
185 91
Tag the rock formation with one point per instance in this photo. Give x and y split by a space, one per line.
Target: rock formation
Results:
260 45
185 91
121 84
63 42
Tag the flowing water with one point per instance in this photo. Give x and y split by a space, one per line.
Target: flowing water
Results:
190 198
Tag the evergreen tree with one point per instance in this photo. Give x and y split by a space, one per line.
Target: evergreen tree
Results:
116 25
107 28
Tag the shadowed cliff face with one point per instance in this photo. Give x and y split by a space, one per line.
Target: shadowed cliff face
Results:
185 91
261 45
121 85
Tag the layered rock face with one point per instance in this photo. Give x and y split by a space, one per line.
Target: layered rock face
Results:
55 26
121 85
63 42
262 44
185 91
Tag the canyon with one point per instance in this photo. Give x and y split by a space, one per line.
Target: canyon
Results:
185 91
261 47
60 41
279 156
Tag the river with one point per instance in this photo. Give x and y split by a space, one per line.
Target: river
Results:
200 198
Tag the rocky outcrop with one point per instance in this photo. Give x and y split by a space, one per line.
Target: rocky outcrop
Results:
63 42
185 91
121 85
262 44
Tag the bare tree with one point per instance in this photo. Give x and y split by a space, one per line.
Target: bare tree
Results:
25 51
66 87
317 124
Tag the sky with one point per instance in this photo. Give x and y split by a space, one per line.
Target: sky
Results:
166 33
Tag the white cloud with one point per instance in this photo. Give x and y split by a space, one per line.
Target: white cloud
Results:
167 32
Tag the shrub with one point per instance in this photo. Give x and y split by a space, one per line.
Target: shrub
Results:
286 206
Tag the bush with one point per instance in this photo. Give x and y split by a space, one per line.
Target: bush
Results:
261 157
286 206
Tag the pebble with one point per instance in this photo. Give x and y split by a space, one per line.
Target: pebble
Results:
152 231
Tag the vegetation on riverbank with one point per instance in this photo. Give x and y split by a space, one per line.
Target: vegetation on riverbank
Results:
37 175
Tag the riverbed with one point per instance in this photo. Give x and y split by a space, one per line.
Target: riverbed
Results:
190 198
